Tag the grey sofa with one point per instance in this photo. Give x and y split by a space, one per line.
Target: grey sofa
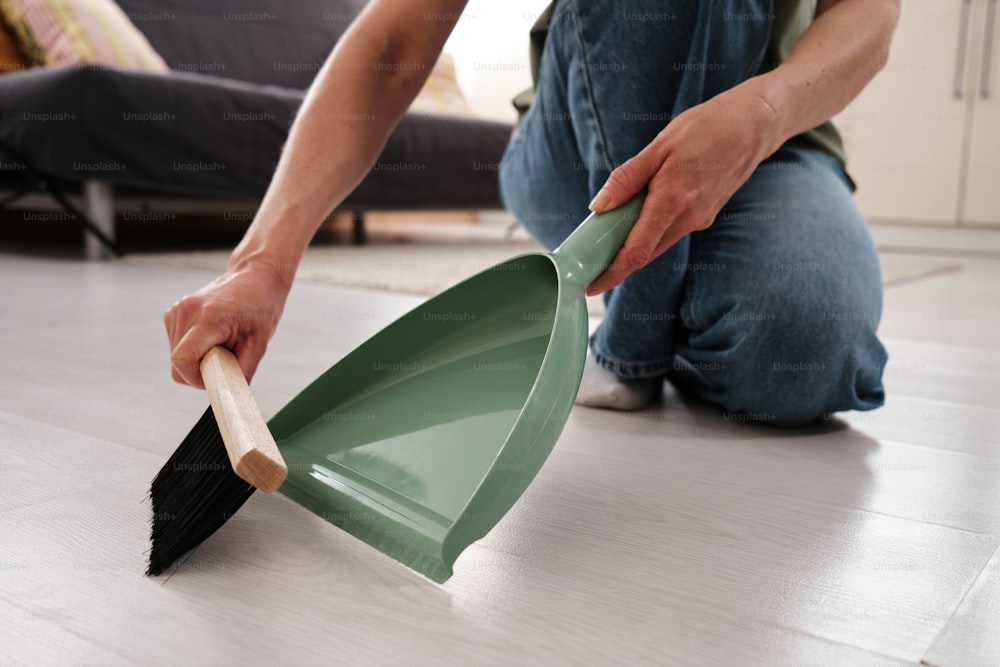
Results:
214 127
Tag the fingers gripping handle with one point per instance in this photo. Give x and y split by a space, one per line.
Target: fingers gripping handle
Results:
592 245
252 451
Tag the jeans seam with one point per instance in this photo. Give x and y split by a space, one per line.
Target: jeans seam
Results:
688 318
589 92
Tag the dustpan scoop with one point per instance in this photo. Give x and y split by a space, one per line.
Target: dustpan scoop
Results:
422 438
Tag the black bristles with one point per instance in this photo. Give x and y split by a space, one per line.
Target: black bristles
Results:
194 493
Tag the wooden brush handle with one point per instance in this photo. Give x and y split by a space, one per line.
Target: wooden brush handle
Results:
251 448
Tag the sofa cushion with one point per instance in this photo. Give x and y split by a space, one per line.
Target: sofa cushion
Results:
277 42
441 93
67 32
11 59
191 134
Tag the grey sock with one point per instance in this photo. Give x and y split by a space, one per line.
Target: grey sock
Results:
600 388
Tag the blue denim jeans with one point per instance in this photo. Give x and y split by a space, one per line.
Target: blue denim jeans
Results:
771 312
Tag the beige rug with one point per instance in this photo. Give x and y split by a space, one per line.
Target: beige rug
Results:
428 267
413 267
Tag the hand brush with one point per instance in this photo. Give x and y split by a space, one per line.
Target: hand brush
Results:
216 468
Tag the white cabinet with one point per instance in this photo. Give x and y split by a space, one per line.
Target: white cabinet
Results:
982 193
923 140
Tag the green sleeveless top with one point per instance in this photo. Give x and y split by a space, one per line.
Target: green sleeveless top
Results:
791 18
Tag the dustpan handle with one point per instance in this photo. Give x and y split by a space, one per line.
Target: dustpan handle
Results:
586 253
251 448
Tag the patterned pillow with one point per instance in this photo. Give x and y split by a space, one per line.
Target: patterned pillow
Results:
11 59
67 32
441 94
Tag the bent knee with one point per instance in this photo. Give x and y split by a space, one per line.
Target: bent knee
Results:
794 370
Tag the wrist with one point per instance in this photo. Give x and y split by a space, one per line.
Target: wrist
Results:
769 122
277 267
273 244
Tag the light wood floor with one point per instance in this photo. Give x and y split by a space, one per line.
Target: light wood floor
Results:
669 536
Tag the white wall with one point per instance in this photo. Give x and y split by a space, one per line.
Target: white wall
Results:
490 47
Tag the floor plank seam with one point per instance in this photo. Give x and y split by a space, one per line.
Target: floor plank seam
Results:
937 252
932 448
819 503
972 586
930 275
92 436
835 642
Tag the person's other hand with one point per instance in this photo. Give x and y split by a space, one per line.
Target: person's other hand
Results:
692 168
238 310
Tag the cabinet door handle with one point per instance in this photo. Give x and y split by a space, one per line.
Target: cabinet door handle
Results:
984 75
963 39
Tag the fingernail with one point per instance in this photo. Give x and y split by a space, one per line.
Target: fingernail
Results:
600 202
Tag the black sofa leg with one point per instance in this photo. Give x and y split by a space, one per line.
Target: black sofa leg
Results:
89 225
93 191
358 234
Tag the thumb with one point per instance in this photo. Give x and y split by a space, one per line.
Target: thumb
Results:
624 182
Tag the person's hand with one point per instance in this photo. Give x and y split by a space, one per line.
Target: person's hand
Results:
238 310
692 168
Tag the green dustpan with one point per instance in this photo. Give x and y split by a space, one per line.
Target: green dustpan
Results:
422 438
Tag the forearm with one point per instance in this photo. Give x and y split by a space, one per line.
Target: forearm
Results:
835 58
337 135
358 97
